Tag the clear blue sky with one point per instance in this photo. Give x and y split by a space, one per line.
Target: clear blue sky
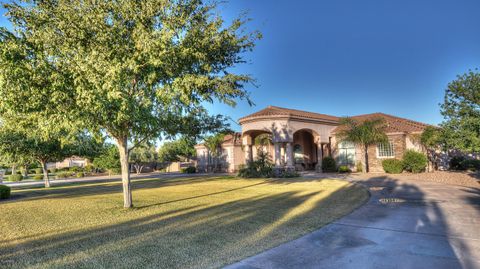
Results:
347 57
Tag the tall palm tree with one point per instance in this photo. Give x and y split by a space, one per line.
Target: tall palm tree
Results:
213 144
364 134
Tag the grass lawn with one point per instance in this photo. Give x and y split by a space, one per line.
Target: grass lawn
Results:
196 222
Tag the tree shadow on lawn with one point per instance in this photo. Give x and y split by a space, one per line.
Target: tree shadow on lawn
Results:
77 189
192 237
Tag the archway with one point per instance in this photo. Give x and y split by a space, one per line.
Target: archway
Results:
305 149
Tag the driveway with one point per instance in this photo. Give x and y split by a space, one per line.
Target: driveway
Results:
405 224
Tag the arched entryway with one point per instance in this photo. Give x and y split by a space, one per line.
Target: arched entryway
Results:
305 149
256 142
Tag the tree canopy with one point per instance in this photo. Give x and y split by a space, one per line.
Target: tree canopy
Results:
461 110
177 150
136 70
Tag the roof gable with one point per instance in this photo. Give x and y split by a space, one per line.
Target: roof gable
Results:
274 111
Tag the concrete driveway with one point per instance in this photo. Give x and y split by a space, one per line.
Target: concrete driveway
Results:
406 224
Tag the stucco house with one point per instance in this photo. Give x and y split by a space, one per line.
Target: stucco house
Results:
300 139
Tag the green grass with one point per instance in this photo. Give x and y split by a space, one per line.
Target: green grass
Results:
195 222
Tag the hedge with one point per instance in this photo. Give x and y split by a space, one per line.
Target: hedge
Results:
414 161
329 164
392 166
4 192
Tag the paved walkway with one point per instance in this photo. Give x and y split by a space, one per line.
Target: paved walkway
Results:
406 224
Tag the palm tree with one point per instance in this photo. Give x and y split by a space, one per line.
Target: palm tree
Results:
364 134
213 144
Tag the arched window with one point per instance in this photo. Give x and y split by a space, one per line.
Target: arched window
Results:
346 153
298 153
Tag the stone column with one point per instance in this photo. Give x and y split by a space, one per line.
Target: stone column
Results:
247 146
289 152
277 154
319 157
282 154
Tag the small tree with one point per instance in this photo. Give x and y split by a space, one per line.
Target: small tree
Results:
431 139
24 146
108 159
142 154
177 150
364 134
214 145
461 110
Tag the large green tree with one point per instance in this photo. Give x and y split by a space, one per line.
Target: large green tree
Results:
364 134
461 110
135 70
144 153
177 150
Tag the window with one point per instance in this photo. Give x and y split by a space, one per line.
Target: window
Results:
346 153
385 150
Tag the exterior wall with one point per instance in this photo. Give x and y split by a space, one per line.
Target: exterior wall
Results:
230 160
399 144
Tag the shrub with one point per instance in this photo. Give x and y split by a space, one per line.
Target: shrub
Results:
52 170
63 174
261 168
456 163
114 171
344 169
414 161
79 174
189 170
89 168
16 177
38 171
471 164
329 164
38 177
392 166
4 192
75 169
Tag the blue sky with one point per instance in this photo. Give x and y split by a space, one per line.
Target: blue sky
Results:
347 57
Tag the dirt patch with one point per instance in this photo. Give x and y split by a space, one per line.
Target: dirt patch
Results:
467 179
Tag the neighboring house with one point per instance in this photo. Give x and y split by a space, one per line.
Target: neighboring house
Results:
69 162
300 140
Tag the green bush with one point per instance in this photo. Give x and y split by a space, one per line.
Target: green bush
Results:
392 166
89 168
16 177
114 171
471 164
456 163
38 177
414 161
75 169
4 192
329 164
52 170
344 169
79 174
38 171
63 174
260 168
189 170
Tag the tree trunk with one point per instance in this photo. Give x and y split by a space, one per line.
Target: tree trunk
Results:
14 169
25 171
365 160
45 174
122 144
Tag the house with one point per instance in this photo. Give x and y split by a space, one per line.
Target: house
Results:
300 140
69 162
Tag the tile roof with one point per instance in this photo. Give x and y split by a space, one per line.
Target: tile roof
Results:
393 124
280 111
